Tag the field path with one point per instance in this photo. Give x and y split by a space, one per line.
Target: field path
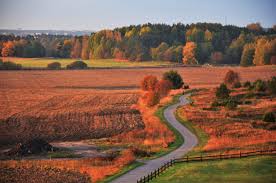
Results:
190 140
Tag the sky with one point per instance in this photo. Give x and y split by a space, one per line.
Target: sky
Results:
107 14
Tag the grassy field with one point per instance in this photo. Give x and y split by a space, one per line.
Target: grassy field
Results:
254 170
43 62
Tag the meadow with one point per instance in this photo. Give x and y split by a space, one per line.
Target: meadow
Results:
256 169
43 62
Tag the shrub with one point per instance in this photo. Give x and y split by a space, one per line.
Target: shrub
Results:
77 65
271 86
247 84
149 83
152 98
54 66
222 92
269 117
231 79
163 87
9 65
259 86
174 78
231 104
186 86
237 85
247 102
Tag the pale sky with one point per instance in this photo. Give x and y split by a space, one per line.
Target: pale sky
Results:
101 14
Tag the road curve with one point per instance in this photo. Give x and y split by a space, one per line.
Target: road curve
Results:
190 140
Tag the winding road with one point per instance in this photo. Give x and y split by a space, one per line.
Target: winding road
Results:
190 140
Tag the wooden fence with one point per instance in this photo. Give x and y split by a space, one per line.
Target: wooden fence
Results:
187 159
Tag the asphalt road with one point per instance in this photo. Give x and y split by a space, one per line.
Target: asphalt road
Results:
190 140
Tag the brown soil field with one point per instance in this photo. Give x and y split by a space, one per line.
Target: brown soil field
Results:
35 103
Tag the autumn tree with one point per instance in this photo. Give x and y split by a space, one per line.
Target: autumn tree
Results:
76 50
85 48
189 53
248 55
255 27
158 53
152 98
232 79
149 83
163 87
262 52
8 49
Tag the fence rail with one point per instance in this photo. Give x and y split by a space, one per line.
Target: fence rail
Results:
187 159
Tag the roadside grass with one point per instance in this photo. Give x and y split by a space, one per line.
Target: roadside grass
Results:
200 134
178 137
251 169
122 172
64 153
43 62
179 140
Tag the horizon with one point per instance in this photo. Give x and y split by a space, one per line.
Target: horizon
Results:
108 14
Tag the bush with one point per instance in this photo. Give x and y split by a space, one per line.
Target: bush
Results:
222 92
54 66
271 86
259 86
237 85
231 104
174 78
247 84
163 87
77 65
269 117
152 98
149 83
186 87
9 65
232 79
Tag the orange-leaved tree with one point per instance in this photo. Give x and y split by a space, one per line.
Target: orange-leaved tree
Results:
189 53
149 83
8 49
232 79
152 98
163 87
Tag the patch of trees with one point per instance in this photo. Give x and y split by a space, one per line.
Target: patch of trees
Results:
189 44
157 89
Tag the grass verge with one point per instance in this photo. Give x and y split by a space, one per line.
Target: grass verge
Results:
200 134
251 169
178 137
122 172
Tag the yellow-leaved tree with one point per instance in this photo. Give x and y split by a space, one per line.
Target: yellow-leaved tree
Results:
189 53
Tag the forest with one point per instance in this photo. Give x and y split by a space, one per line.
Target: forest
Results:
198 43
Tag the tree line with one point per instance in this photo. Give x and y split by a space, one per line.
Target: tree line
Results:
189 44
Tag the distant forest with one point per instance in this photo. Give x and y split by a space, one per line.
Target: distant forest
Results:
189 44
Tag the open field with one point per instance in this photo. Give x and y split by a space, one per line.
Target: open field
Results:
255 170
86 95
43 62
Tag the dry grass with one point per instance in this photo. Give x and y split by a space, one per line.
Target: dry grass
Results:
96 168
231 130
